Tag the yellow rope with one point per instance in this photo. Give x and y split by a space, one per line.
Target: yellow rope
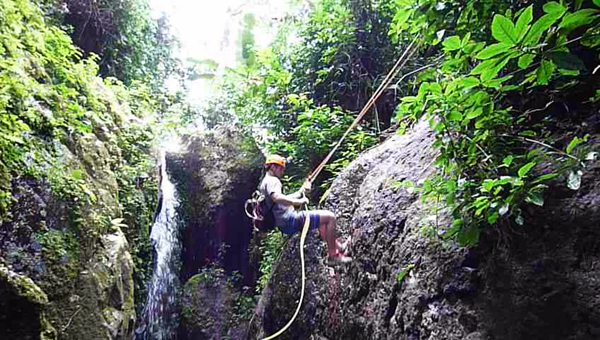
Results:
302 239
408 53
397 67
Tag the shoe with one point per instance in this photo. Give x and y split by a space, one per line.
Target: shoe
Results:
337 260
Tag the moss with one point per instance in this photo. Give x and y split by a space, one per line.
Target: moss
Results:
23 286
76 147
211 304
48 332
22 306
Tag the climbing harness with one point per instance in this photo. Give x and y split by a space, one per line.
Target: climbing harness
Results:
258 210
410 51
252 207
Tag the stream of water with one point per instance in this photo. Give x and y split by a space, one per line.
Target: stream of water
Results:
160 318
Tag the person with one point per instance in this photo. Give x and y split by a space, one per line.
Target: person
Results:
289 220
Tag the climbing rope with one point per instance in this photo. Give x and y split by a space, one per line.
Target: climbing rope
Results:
408 53
302 239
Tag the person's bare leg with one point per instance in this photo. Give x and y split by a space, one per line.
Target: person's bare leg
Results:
327 222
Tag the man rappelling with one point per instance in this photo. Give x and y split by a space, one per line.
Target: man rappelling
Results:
289 220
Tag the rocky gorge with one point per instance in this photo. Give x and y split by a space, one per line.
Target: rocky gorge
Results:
406 281
87 198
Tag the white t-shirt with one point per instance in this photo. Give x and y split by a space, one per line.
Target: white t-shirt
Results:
268 186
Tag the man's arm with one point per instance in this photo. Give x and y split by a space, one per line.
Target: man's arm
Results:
288 200
306 186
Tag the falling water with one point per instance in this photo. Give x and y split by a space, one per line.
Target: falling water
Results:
160 319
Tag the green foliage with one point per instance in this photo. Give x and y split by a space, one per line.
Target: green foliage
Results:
58 245
487 175
270 249
209 275
39 85
131 44
245 305
138 196
71 186
300 95
402 275
54 111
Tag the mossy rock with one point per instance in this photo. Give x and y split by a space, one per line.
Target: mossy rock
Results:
22 308
212 308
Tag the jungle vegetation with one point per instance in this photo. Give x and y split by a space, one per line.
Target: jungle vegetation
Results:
509 86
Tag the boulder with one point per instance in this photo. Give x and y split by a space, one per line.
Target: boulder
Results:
214 307
406 282
215 173
22 308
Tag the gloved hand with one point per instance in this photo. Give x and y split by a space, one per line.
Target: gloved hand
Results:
306 187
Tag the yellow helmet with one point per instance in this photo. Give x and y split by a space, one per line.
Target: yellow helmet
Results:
275 159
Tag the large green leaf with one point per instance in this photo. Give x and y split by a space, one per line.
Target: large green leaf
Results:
503 30
553 7
572 21
525 60
402 16
455 116
452 43
576 141
545 177
493 50
523 23
485 65
536 198
567 61
524 170
491 73
593 39
474 113
496 83
469 82
597 3
539 27
545 71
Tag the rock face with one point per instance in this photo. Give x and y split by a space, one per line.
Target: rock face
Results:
24 301
406 284
214 307
215 174
65 262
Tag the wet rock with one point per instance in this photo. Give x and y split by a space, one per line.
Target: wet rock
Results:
58 234
215 173
212 308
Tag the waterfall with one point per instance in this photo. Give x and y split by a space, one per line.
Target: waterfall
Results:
160 318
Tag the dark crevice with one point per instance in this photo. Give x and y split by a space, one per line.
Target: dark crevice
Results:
391 309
